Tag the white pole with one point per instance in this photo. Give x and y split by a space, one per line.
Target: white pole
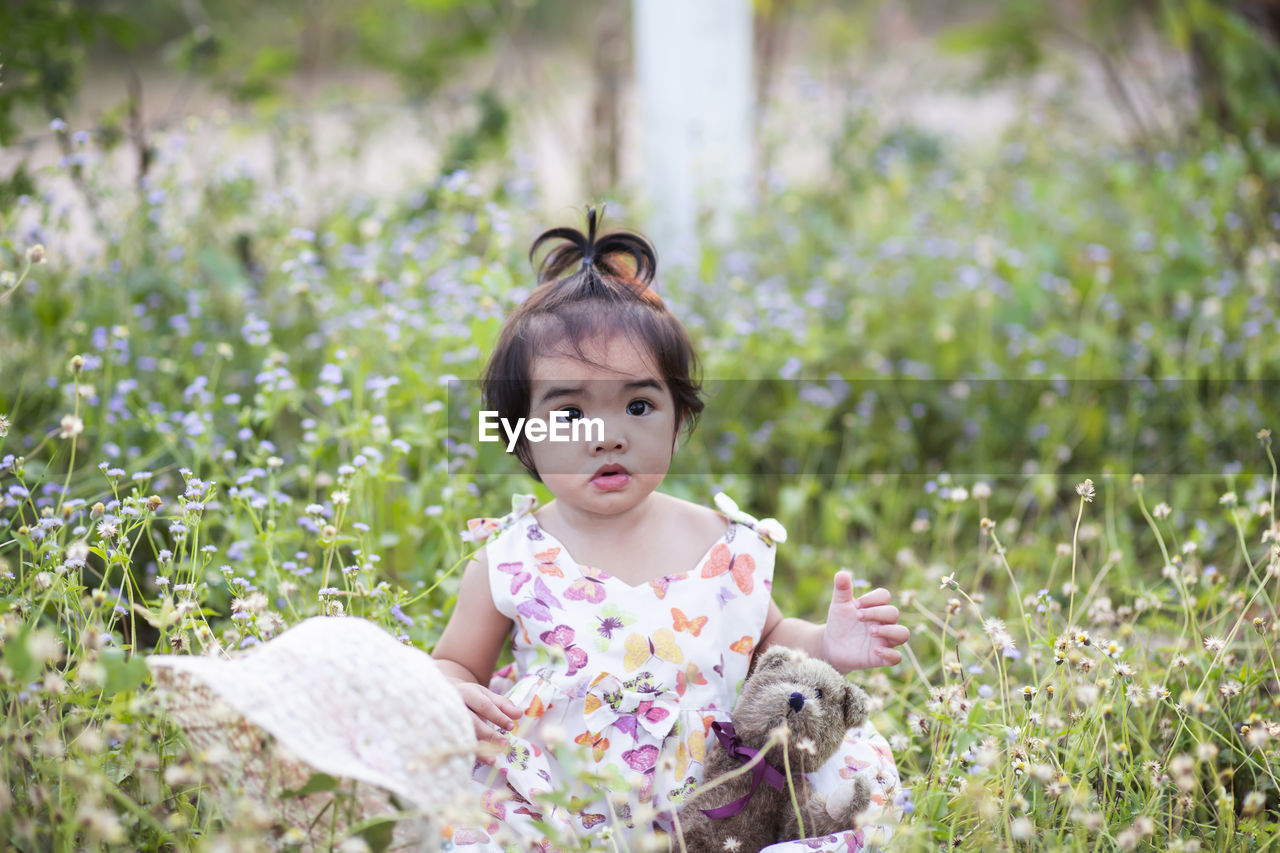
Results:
693 70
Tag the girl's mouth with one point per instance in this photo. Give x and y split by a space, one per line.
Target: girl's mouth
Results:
610 478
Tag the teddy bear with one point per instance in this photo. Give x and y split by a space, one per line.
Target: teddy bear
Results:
816 705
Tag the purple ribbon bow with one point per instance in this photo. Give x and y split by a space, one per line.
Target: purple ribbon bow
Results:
762 772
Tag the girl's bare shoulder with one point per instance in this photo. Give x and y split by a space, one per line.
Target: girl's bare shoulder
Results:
693 520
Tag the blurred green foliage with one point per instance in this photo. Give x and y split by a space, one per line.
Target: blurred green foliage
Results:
254 53
1229 50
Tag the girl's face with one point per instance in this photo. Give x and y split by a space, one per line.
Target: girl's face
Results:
623 464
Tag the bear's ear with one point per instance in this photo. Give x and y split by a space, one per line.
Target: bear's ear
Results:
774 657
855 706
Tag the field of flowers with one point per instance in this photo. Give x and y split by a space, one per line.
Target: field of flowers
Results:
237 414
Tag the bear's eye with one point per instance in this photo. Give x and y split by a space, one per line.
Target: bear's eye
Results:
818 693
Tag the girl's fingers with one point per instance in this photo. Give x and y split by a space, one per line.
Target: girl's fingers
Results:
487 705
880 613
877 596
491 743
490 711
488 733
843 591
890 656
893 635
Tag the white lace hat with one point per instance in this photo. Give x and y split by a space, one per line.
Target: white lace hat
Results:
333 695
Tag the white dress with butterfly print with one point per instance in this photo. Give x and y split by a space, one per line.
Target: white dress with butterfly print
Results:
619 685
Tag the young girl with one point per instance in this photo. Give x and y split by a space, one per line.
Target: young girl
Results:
632 615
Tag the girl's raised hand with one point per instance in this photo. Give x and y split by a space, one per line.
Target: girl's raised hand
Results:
861 633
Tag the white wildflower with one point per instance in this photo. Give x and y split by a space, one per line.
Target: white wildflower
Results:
70 426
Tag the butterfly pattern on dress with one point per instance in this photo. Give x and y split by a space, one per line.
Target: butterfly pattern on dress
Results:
693 748
641 759
599 743
680 622
561 637
661 644
539 605
741 567
547 563
589 587
689 676
610 620
677 660
519 577
662 584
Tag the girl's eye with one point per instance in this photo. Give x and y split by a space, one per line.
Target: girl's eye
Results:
639 407
570 413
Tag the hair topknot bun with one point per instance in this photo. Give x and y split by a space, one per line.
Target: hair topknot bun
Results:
590 287
580 259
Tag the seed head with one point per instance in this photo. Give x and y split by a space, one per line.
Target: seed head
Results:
76 364
1085 490
70 427
35 254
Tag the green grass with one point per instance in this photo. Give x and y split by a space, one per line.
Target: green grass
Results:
932 351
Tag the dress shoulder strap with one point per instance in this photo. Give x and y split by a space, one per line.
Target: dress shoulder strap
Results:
481 530
770 530
506 551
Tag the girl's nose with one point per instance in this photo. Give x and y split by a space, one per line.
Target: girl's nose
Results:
611 440
796 701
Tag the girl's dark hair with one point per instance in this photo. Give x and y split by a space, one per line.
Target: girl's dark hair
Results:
589 286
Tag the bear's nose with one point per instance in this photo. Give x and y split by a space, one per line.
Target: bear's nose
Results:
796 701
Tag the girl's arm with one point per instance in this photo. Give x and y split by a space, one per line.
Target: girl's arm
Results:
859 633
469 647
